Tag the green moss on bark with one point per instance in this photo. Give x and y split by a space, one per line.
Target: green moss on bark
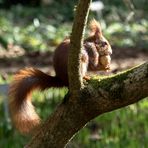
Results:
113 84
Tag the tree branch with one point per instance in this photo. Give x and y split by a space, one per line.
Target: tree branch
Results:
75 79
98 96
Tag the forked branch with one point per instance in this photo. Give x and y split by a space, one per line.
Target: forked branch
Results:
98 96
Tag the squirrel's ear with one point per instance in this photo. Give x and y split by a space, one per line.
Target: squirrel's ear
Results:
95 28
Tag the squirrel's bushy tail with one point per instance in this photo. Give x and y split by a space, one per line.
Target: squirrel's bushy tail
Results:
21 109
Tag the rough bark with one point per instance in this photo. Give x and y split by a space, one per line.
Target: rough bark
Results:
99 95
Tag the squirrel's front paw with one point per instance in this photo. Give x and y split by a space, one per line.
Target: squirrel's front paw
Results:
86 78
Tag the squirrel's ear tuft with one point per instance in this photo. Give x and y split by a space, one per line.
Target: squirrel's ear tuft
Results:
95 28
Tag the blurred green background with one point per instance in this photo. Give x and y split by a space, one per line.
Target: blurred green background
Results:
29 33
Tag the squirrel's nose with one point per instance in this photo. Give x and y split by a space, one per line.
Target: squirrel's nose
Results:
108 51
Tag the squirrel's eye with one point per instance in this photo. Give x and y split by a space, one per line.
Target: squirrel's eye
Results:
103 43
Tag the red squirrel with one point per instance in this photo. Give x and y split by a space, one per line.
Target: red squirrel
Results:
95 56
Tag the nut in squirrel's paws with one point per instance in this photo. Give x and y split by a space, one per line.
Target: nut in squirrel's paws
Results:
105 62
